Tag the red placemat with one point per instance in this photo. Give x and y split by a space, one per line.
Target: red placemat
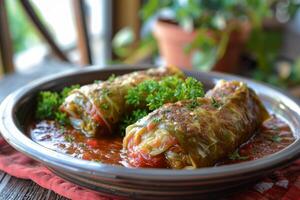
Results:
283 184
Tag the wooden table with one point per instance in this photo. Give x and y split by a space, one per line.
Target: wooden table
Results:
14 188
11 187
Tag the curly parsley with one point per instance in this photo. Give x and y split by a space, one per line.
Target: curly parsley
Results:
131 118
48 105
154 94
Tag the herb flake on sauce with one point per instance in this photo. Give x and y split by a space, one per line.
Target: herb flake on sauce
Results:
236 156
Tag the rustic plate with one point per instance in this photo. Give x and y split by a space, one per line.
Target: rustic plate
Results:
17 108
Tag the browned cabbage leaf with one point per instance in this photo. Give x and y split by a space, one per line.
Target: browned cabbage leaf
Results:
96 108
195 133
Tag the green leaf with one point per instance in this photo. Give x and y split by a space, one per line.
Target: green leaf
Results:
193 104
105 106
215 103
219 22
222 46
131 119
276 138
62 118
69 138
154 94
152 7
124 37
66 91
48 105
204 60
236 156
122 40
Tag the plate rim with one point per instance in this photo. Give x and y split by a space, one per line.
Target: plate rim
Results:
21 142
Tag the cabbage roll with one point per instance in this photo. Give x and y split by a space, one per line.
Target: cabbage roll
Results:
96 108
195 133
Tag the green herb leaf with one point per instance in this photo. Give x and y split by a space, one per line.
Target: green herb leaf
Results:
105 92
61 118
276 138
131 118
69 138
104 106
66 91
236 156
156 120
193 88
193 104
48 105
215 103
82 145
154 94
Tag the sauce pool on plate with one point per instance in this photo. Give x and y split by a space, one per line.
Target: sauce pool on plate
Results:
273 136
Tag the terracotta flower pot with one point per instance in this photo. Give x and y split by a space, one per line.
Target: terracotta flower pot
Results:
172 39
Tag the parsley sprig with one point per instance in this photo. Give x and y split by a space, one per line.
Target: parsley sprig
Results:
151 95
154 94
131 118
48 103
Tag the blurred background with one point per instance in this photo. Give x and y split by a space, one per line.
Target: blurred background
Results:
259 39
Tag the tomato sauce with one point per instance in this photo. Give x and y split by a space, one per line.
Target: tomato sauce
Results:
70 141
273 136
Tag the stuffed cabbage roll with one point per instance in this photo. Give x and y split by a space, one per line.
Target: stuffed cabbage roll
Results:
195 133
96 108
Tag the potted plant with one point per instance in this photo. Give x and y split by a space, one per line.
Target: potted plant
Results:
204 34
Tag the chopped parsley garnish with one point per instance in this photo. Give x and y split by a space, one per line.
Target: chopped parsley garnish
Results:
156 120
69 138
236 156
131 119
82 145
105 92
66 91
154 94
61 118
48 105
193 104
215 103
276 138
